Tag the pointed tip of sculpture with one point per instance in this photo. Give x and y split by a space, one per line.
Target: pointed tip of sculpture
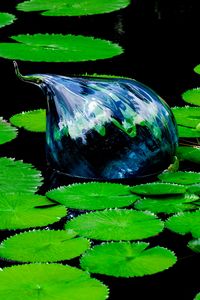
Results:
27 78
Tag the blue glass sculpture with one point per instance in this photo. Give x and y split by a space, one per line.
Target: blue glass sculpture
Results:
106 128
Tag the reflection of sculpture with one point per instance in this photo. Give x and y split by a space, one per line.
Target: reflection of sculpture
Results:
106 128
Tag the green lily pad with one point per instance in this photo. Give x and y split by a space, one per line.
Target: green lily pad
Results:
194 189
71 7
125 259
6 19
168 205
187 116
34 120
197 69
192 96
43 246
194 245
49 281
7 132
93 196
116 224
197 297
180 177
58 48
189 153
186 132
183 223
19 211
158 188
17 176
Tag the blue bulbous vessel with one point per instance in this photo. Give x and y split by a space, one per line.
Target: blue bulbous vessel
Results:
106 128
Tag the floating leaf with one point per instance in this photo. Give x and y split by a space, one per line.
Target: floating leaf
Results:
197 297
7 132
189 153
6 19
93 196
125 259
19 211
71 7
49 281
180 177
58 48
158 188
183 223
197 69
17 176
194 189
194 245
168 205
116 224
34 120
186 132
192 96
187 116
43 246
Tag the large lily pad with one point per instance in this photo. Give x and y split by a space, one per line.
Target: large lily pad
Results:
187 116
6 19
192 96
34 120
180 177
7 132
125 259
158 188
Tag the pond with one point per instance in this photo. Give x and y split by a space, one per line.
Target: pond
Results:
159 42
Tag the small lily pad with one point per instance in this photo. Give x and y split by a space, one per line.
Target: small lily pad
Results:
17 176
43 246
93 196
180 177
187 132
183 223
71 7
116 224
194 245
49 281
125 259
34 120
192 96
189 153
187 116
197 69
58 48
19 211
7 132
158 188
168 205
6 19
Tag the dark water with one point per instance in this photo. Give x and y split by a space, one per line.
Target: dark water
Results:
160 40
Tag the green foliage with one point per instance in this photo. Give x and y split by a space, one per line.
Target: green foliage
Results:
7 132
187 116
58 48
197 69
194 189
43 246
183 223
158 188
17 176
34 120
192 96
49 281
187 132
71 7
125 259
93 196
168 205
194 245
6 19
197 297
180 177
189 153
116 224
19 211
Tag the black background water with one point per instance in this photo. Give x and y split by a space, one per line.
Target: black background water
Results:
161 42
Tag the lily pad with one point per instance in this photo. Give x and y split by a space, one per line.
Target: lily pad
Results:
116 224
49 281
192 96
183 223
194 245
197 69
19 211
43 246
93 196
194 189
58 48
71 7
187 116
125 259
7 132
158 188
17 176
189 153
180 177
168 205
187 132
34 120
6 19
